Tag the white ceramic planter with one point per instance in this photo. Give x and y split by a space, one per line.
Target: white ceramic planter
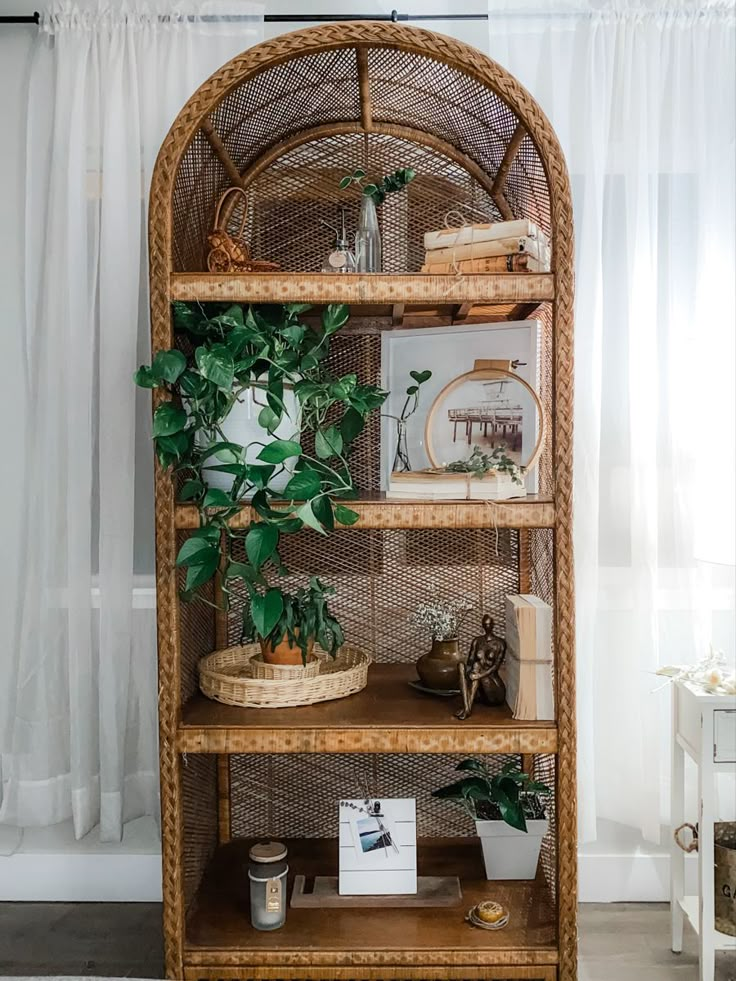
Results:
509 853
241 427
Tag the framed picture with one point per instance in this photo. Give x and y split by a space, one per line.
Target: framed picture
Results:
378 847
486 412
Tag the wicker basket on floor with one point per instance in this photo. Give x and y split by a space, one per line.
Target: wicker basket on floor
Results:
227 676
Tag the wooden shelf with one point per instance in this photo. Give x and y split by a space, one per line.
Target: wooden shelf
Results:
376 511
377 941
386 717
386 301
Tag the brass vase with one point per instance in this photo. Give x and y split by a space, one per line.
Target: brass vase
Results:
439 667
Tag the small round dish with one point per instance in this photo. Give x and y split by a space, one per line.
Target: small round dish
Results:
488 915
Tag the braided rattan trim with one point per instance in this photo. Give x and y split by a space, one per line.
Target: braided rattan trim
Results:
498 971
419 515
430 739
357 288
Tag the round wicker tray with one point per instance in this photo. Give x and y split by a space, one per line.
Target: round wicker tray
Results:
227 676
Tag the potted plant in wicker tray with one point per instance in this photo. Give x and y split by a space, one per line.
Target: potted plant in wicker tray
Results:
509 816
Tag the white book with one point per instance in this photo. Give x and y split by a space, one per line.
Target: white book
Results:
489 232
501 246
527 670
433 486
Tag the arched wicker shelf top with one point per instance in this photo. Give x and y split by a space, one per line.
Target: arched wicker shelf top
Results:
287 118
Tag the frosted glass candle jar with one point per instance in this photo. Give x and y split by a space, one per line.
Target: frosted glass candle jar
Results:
267 870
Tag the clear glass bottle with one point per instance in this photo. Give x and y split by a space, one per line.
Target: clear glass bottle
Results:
267 871
341 258
368 238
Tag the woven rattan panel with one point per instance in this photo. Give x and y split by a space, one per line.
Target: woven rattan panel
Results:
290 198
199 795
322 90
197 629
381 576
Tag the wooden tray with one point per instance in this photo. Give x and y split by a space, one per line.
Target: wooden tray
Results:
321 893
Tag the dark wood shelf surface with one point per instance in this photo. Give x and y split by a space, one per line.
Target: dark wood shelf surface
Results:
376 511
219 931
388 716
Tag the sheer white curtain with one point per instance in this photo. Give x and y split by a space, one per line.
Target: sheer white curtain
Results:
78 717
642 95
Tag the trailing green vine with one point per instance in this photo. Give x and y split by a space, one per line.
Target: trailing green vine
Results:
231 349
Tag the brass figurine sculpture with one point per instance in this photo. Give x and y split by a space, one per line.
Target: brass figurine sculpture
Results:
480 670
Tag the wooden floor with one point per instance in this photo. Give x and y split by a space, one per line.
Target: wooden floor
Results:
619 942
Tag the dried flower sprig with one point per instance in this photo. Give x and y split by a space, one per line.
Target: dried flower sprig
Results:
441 618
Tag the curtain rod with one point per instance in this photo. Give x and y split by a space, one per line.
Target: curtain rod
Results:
394 17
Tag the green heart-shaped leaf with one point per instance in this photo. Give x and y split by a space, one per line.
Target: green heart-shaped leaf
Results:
168 365
195 551
266 611
279 450
328 442
168 419
217 365
345 516
303 485
260 544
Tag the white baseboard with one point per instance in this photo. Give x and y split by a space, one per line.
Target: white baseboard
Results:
39 877
134 878
629 878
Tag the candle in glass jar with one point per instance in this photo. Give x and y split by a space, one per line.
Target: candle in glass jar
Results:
267 870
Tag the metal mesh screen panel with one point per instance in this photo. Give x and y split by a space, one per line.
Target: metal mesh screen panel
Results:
297 795
381 576
293 196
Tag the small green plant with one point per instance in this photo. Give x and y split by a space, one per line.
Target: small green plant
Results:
302 616
480 463
510 796
389 184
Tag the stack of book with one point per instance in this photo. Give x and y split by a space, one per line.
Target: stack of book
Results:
527 670
439 485
502 246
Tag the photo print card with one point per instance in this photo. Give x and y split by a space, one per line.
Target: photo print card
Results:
378 847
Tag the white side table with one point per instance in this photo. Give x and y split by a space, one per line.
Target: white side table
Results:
704 727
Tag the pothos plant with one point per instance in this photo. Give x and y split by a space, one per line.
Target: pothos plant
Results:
233 348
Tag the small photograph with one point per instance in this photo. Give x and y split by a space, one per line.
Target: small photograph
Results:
373 835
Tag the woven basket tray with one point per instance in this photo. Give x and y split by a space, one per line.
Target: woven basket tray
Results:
227 676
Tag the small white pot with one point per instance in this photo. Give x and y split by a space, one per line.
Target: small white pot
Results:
509 853
241 427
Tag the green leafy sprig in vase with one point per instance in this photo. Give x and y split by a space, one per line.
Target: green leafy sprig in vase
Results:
368 236
401 462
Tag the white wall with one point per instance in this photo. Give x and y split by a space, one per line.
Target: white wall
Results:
50 864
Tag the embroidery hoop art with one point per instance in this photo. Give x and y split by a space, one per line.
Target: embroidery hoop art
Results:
485 371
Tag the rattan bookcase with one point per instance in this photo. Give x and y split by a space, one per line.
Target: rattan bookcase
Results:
284 121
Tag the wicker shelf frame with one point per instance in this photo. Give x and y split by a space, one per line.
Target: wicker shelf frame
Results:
283 120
